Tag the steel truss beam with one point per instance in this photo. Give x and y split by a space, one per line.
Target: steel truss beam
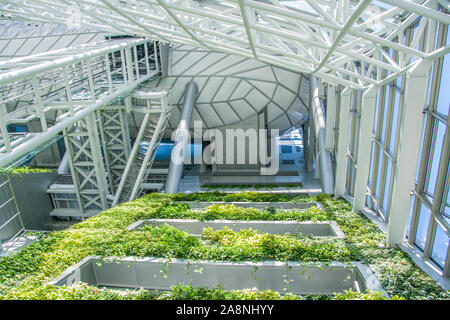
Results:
115 138
62 87
342 42
86 164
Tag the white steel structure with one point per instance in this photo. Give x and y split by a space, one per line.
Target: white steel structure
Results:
344 42
382 68
65 86
20 38
70 91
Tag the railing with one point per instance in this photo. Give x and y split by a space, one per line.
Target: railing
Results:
63 86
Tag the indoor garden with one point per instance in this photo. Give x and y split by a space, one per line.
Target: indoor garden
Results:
29 273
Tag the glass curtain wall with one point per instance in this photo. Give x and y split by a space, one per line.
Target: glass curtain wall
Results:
429 227
388 111
352 152
430 214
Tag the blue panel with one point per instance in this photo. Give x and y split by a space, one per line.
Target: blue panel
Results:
17 128
164 151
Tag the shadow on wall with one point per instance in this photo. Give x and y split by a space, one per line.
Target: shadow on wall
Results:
34 204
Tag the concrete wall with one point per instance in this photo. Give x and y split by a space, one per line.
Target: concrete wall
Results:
33 202
8 209
247 168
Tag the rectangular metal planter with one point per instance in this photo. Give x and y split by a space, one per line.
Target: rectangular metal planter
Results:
160 274
195 227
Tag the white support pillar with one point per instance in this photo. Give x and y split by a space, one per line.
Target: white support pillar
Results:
305 138
368 106
164 55
324 165
341 157
311 146
330 117
410 137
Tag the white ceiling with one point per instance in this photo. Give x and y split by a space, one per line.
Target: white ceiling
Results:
233 88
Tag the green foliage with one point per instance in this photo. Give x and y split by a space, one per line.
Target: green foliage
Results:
25 274
233 212
24 170
79 291
247 196
252 186
265 246
368 295
188 292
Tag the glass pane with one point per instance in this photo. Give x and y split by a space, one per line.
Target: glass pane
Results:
443 104
446 203
372 157
387 185
422 227
440 247
379 186
386 107
436 154
394 120
421 148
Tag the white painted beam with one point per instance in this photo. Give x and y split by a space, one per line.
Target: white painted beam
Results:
330 117
364 147
341 157
410 138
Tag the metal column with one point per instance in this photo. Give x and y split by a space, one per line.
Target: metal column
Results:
164 54
330 117
364 149
182 133
341 157
311 145
323 160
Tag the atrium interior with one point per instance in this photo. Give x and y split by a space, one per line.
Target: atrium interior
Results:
224 149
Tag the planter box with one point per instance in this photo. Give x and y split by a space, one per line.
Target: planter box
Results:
159 274
195 227
198 205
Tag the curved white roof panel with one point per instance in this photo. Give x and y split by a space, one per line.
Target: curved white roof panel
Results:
345 42
20 38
